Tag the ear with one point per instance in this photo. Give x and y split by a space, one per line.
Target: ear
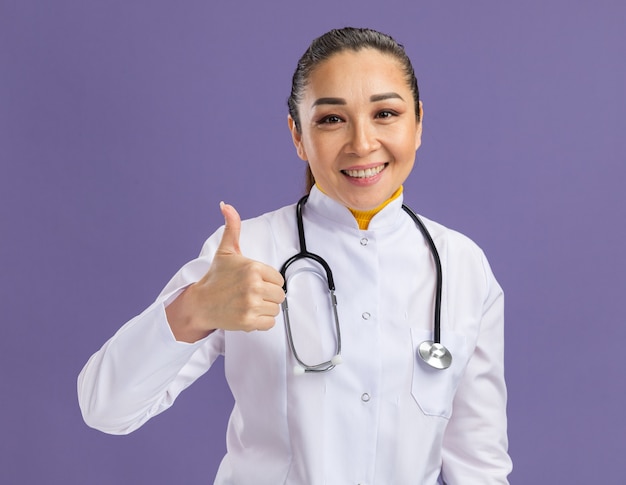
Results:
296 136
418 132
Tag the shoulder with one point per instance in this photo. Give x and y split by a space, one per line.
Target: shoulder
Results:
462 256
451 239
269 221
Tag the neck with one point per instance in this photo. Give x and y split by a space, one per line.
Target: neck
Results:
363 218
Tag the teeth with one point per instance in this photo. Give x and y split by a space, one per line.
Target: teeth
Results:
361 174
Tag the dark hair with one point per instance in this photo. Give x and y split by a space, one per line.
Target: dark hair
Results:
334 42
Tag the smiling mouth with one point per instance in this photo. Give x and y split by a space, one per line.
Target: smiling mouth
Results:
366 173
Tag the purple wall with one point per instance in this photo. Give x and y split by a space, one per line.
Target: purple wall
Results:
123 124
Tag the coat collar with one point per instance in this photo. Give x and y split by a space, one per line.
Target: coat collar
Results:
327 208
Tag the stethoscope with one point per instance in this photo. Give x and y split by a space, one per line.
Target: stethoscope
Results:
432 352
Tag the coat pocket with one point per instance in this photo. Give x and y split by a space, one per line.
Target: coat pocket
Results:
434 389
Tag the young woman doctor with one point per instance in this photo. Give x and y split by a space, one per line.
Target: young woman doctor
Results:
382 416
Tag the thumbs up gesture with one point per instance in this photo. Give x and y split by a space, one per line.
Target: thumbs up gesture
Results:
236 293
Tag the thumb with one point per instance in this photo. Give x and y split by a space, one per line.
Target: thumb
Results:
232 229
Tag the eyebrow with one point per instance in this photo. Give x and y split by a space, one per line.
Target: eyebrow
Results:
340 101
328 101
382 97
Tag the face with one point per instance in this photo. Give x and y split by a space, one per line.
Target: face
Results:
359 130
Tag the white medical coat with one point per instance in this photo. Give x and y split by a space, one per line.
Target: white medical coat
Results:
381 417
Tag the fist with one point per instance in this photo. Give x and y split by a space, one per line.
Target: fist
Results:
236 293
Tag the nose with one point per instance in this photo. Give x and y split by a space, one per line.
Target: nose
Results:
363 138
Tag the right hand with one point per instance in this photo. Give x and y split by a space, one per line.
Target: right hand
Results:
236 293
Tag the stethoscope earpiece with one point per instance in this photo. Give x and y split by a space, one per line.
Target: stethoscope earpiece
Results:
299 370
434 354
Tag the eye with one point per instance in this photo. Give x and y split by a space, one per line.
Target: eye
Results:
330 120
386 114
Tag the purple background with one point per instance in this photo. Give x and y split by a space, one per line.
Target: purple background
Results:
124 123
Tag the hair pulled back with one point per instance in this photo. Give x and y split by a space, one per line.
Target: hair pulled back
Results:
334 42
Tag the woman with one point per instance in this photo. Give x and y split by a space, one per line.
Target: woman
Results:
383 416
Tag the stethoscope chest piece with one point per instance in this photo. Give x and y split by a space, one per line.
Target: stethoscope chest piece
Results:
435 354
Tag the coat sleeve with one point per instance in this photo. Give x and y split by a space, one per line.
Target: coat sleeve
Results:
475 442
141 370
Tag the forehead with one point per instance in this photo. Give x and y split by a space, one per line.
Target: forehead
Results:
367 70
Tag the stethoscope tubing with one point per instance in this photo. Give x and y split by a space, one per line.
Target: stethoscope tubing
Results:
437 259
304 254
432 352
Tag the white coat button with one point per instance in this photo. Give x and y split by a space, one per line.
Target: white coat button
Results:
365 397
365 315
364 241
